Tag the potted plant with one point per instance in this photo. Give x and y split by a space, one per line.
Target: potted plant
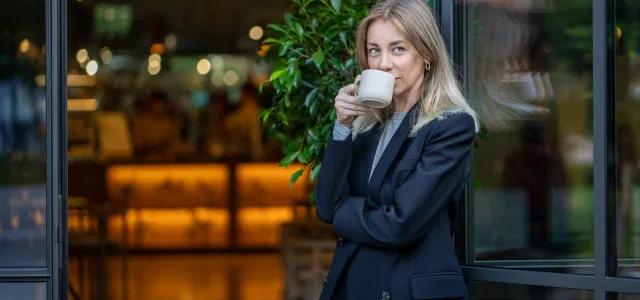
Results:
312 53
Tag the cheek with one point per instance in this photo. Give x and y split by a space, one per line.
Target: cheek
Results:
373 64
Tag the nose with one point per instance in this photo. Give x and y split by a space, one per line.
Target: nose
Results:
385 63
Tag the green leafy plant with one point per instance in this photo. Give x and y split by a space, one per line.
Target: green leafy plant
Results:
313 57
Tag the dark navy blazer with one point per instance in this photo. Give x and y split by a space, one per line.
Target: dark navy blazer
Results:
395 229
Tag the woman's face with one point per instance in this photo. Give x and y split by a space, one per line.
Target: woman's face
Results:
389 50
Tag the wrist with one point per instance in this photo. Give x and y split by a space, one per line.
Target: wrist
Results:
346 124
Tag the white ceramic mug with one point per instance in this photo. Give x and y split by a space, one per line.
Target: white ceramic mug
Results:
375 88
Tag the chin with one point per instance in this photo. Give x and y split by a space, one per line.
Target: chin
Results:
398 92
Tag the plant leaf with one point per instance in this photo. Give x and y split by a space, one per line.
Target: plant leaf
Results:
288 159
275 75
298 28
283 118
270 41
288 18
294 177
316 171
336 4
276 27
297 77
261 87
311 97
318 58
287 101
265 115
313 109
285 47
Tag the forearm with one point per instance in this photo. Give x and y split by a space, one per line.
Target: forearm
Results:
333 182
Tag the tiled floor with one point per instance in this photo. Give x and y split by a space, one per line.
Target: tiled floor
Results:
194 277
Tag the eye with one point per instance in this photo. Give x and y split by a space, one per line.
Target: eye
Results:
399 49
374 51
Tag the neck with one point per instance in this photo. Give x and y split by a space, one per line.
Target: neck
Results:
405 102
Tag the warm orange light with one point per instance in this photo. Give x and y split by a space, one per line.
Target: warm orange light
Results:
268 184
171 185
175 198
260 226
90 104
173 228
263 49
157 48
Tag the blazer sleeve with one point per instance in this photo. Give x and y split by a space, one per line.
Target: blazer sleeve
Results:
332 187
417 202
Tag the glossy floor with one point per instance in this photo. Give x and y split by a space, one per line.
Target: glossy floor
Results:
190 277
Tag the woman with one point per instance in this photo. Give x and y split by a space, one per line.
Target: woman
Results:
391 179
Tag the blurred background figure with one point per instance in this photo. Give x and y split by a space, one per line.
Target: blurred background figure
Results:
156 130
244 124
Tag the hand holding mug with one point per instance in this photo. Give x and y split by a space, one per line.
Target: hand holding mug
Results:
347 104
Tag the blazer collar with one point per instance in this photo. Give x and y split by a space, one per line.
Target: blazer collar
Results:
390 152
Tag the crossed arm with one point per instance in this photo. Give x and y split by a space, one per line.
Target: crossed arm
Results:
434 181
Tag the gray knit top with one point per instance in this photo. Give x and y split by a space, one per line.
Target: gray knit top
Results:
341 133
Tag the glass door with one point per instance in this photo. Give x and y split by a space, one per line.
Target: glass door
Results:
31 164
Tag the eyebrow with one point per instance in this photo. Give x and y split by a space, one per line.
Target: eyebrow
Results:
396 42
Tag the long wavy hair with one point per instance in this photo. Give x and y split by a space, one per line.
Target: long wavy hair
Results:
440 92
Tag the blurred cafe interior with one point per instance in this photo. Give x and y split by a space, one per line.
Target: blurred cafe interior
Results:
165 144
166 154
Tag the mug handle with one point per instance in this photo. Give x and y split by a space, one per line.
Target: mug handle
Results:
357 83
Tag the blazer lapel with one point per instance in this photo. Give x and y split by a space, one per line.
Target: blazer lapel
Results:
389 154
372 140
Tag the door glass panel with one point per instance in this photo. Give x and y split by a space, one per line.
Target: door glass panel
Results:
533 201
22 136
627 125
505 291
24 290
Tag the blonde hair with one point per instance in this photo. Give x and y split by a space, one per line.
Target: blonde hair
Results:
440 93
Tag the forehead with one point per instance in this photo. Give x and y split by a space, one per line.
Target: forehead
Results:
384 31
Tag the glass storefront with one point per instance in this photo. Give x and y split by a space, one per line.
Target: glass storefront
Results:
151 100
533 205
554 201
23 151
626 130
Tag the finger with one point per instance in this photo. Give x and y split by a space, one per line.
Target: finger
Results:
348 113
349 89
352 107
357 80
347 99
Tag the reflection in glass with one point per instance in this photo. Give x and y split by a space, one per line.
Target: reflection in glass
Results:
534 193
504 291
24 290
627 163
22 135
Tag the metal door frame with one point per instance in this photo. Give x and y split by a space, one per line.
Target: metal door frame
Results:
56 80
54 274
